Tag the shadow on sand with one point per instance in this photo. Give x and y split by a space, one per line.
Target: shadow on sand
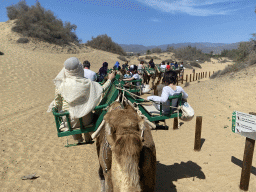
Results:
240 164
166 174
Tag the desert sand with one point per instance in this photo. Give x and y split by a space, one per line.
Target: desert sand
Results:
29 142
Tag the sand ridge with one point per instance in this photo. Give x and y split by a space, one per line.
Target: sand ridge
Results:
29 142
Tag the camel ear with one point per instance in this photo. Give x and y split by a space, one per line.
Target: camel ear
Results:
109 135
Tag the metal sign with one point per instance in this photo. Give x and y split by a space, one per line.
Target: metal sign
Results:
244 124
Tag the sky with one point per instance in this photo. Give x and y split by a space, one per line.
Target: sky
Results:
154 22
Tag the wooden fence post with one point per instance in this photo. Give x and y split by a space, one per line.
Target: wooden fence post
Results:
190 77
175 123
197 145
186 78
193 76
247 162
203 74
196 76
206 74
209 74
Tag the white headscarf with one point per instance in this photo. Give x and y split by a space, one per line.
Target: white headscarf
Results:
81 94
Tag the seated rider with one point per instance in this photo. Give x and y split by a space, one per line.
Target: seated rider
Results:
116 66
125 66
168 66
78 95
140 67
103 72
135 75
152 64
170 89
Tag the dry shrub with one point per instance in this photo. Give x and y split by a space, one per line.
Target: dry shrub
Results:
224 61
22 40
191 54
187 66
252 58
195 64
122 58
150 57
156 50
229 69
105 43
37 22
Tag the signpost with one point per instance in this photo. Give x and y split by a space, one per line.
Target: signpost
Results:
245 124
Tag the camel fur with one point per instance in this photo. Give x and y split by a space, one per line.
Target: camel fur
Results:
130 163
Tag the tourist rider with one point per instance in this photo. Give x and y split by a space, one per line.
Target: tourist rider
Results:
125 66
116 66
140 68
168 66
152 64
78 95
176 65
89 74
170 89
163 66
103 72
135 75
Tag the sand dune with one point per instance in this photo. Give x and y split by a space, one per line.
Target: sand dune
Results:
29 142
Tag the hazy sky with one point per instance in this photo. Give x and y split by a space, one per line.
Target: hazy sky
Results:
155 22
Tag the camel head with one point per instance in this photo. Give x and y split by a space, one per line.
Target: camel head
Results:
123 132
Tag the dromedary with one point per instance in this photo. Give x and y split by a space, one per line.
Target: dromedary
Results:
126 152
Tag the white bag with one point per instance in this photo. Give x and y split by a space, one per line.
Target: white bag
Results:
187 112
146 88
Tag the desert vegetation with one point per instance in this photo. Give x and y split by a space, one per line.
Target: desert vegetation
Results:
23 40
122 58
156 50
105 43
152 57
1 53
191 54
37 22
195 64
244 56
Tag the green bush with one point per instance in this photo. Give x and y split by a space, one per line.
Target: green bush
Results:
1 53
37 22
105 43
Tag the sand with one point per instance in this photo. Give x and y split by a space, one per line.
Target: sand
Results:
29 142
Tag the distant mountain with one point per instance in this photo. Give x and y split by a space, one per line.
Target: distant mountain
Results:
205 47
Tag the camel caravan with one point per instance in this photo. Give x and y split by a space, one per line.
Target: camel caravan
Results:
113 113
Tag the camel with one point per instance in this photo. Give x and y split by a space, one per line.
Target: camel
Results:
126 151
